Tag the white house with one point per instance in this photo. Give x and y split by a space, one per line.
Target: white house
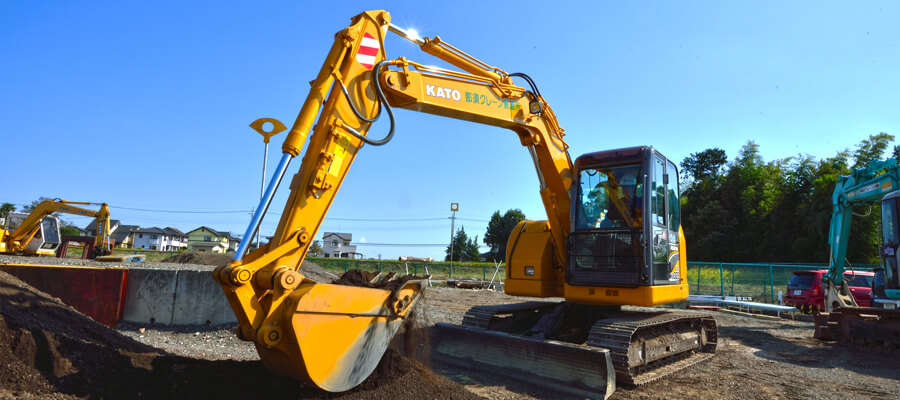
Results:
154 238
178 239
337 245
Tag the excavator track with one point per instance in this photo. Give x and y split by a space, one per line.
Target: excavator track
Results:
643 345
865 327
646 346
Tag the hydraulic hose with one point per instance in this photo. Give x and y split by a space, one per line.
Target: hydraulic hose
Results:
382 102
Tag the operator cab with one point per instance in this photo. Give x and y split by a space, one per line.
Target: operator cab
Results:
47 238
886 283
625 219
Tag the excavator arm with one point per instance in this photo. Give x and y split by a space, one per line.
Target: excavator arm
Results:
864 186
843 319
17 240
332 335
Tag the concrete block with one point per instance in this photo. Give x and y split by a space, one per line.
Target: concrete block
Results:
199 300
150 297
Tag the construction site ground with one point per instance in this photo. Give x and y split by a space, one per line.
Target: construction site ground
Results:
47 350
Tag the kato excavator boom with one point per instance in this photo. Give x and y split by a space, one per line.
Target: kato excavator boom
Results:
597 260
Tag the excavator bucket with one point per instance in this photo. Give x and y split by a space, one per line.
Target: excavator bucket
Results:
337 334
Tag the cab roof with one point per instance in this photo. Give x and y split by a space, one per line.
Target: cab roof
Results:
625 155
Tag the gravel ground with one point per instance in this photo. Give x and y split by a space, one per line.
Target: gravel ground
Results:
757 357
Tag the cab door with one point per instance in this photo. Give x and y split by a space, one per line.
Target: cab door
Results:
665 219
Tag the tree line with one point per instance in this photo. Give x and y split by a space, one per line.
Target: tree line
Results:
751 210
746 209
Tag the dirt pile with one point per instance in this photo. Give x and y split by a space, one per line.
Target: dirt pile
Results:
389 281
49 350
216 259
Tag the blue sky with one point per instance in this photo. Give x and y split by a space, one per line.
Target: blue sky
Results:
146 105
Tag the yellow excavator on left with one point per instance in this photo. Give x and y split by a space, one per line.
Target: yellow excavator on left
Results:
38 234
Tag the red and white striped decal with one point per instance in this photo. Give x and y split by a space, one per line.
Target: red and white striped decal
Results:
368 50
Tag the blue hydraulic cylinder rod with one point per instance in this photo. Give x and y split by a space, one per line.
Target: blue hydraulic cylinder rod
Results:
263 206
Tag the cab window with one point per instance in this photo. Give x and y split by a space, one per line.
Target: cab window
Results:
609 198
658 192
674 206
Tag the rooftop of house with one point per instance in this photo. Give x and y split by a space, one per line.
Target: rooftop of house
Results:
342 236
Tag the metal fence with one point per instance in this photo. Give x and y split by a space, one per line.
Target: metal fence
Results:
760 281
437 270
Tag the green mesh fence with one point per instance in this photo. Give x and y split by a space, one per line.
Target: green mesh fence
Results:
437 270
760 282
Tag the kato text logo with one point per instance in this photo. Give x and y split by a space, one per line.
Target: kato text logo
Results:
444 93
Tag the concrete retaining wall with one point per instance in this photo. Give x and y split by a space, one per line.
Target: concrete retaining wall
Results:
199 300
150 296
175 298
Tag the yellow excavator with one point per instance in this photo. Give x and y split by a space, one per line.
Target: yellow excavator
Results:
612 237
38 233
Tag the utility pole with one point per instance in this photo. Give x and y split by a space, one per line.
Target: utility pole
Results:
454 207
260 127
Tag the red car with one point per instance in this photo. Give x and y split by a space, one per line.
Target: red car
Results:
805 290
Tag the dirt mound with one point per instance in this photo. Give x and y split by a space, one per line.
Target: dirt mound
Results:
313 271
217 259
49 350
389 281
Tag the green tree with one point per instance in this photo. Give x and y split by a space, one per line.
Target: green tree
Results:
498 230
29 208
69 230
751 210
871 149
703 165
315 248
6 208
464 247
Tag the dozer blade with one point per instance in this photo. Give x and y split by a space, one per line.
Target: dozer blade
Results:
335 335
578 370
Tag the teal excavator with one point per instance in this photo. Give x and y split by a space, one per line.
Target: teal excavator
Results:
843 319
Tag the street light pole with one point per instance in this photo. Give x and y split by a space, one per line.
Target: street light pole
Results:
454 207
260 127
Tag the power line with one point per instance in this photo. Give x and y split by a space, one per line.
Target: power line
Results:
406 244
274 213
183 211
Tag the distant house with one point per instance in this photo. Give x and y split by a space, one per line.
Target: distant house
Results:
122 235
179 239
91 229
204 239
337 245
154 238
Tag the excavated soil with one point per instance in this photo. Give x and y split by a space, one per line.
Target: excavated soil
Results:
49 350
355 277
216 259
